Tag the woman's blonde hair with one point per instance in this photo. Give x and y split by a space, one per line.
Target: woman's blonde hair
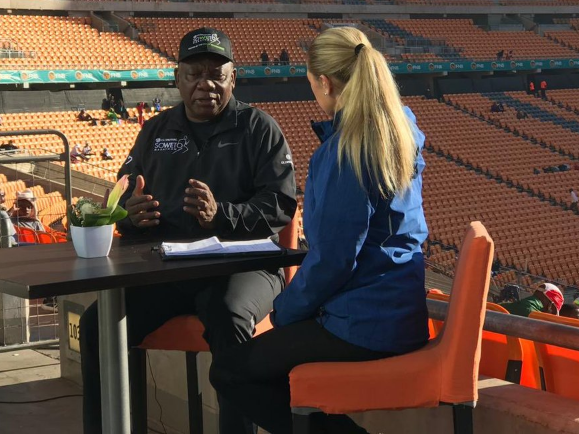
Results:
374 128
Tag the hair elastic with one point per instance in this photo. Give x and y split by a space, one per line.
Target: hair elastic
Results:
358 48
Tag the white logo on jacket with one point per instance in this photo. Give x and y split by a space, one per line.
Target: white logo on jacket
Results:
174 146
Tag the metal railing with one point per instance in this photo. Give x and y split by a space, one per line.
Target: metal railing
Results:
513 325
15 158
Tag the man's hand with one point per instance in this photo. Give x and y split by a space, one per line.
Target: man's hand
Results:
200 203
139 207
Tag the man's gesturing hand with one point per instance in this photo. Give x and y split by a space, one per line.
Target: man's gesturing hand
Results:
200 203
139 206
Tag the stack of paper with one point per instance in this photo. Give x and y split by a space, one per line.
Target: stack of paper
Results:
212 245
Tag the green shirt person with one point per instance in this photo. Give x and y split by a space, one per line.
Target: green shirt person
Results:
547 298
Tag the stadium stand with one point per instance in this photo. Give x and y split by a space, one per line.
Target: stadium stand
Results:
45 42
164 34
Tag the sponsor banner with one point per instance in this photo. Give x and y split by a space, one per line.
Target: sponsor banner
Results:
469 66
166 74
84 76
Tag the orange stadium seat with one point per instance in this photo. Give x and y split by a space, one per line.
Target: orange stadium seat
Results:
559 366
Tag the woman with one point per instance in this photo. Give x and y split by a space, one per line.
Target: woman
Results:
359 294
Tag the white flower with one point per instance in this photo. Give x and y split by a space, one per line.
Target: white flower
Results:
87 208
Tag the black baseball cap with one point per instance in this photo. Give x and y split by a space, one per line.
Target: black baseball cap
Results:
205 40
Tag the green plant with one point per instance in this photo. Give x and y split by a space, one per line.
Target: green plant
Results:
87 213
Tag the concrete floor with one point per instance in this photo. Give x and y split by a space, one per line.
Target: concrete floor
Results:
34 375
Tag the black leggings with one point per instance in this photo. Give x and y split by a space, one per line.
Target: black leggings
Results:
253 376
229 307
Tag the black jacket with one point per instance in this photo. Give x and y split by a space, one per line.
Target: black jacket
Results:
246 163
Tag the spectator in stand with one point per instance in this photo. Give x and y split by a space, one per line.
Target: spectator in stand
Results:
284 57
522 114
10 146
84 116
495 107
87 151
359 293
574 200
544 89
1 120
264 58
500 55
157 104
11 232
24 212
546 298
106 155
112 116
76 154
531 88
122 110
140 109
570 310
501 107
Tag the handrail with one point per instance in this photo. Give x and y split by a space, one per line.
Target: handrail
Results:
65 156
519 326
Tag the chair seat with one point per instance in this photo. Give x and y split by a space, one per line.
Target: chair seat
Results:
185 333
348 383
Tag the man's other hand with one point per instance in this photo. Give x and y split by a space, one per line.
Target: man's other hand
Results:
141 207
200 203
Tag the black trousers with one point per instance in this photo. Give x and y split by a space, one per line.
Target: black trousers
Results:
254 376
228 306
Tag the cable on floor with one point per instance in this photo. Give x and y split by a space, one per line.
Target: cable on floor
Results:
41 400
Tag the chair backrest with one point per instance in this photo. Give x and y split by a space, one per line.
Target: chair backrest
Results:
45 237
501 355
25 235
288 237
559 367
465 317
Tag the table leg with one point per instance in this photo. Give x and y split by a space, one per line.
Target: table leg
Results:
113 358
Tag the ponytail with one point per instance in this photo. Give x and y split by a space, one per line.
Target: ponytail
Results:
374 131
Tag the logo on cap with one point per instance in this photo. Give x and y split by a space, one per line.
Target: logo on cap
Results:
205 39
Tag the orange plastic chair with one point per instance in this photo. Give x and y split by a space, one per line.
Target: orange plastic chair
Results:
25 235
503 357
185 333
45 237
558 367
444 371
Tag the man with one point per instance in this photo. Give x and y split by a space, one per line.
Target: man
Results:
574 199
544 89
546 298
209 166
24 212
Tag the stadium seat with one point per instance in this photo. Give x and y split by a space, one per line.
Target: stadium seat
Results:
559 367
444 371
185 333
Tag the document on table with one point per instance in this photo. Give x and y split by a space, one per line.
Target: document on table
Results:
212 247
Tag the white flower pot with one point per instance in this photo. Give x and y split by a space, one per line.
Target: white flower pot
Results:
92 242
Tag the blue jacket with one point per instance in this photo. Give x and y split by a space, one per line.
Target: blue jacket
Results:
363 277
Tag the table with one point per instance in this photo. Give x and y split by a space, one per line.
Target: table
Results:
54 269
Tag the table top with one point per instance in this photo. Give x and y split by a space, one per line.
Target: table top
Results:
54 269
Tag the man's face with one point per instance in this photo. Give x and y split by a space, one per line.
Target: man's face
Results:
24 208
205 82
548 305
